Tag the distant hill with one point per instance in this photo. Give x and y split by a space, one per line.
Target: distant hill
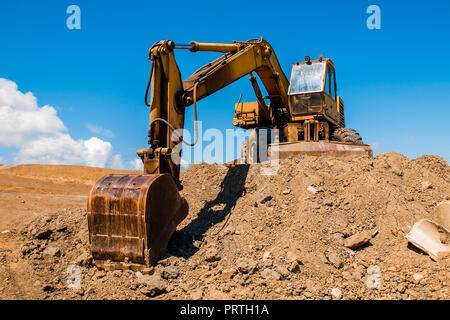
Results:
61 172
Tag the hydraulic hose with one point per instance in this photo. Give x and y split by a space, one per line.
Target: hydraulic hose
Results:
173 128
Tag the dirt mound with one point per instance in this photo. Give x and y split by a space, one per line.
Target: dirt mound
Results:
254 236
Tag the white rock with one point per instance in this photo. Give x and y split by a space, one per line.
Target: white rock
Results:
426 185
417 276
373 269
336 293
312 189
373 281
271 274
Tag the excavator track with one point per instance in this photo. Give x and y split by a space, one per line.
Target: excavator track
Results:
131 218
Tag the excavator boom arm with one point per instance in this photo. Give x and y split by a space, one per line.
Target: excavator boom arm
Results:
251 56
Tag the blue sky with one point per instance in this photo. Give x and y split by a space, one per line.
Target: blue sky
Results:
394 81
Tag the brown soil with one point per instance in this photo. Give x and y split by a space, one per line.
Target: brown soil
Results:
247 236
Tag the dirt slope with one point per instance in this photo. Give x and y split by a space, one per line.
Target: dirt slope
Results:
253 236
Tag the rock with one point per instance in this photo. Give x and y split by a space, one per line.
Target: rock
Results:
52 251
245 265
270 274
170 272
336 293
25 250
212 255
267 255
426 185
42 234
356 275
373 281
268 263
287 191
283 271
239 229
228 273
335 260
443 213
99 274
48 288
46 219
347 275
79 291
292 256
6 231
373 269
357 240
60 227
312 189
417 277
311 287
196 294
148 270
322 258
338 238
361 269
397 171
294 267
117 273
151 285
84 260
262 198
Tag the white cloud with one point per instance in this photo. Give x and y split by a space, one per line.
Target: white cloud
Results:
136 165
99 130
40 135
62 149
116 162
10 96
21 119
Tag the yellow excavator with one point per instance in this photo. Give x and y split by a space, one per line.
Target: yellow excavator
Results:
131 217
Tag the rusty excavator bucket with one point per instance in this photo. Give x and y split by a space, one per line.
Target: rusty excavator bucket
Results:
131 218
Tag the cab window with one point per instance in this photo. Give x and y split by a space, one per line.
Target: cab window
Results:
306 78
332 82
327 82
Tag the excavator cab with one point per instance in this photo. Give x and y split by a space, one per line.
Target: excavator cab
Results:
313 91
